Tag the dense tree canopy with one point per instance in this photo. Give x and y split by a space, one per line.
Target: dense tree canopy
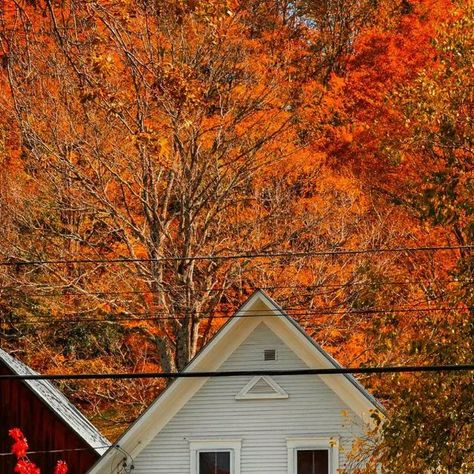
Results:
142 130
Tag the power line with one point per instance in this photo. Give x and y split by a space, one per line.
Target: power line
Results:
48 451
168 317
254 313
241 373
348 284
242 255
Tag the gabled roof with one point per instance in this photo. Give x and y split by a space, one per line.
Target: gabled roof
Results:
59 404
257 309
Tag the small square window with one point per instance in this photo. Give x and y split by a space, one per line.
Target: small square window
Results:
269 354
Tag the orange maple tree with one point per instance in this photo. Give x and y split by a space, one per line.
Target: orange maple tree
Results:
148 130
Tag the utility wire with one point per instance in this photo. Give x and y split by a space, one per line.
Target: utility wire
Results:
46 451
171 375
254 313
240 373
15 291
242 255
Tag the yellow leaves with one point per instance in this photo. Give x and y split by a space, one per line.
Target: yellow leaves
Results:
155 144
334 333
178 83
211 11
102 64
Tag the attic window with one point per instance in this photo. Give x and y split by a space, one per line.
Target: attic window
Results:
269 354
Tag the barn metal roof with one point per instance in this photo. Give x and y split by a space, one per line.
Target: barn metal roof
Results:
60 405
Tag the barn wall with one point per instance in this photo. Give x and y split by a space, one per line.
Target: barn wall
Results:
19 407
312 410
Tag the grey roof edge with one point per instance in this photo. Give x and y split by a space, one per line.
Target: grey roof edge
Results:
51 396
273 303
326 355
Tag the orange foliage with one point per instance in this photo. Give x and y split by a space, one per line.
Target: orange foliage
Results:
156 129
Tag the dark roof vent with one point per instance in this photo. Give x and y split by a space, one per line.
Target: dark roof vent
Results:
269 354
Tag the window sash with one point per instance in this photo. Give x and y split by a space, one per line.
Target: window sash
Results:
314 468
197 446
326 443
216 469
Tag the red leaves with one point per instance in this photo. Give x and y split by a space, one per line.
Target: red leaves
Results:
61 468
20 445
24 465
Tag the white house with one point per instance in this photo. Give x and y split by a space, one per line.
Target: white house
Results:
247 424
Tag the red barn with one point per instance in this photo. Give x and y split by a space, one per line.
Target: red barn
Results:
54 427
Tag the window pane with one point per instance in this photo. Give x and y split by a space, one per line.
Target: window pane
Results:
312 461
305 462
214 462
223 462
207 462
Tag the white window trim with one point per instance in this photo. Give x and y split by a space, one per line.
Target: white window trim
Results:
278 392
330 443
211 445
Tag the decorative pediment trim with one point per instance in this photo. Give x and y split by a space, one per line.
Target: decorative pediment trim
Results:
261 388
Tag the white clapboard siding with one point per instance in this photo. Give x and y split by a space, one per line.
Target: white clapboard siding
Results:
213 413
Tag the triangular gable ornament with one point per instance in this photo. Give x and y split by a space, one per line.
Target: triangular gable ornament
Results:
261 387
